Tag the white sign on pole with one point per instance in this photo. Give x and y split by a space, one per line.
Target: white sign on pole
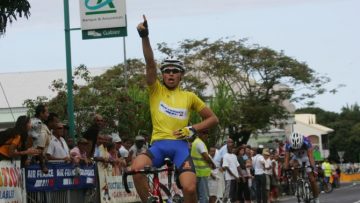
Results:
100 14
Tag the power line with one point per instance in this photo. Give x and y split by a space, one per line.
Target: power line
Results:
7 101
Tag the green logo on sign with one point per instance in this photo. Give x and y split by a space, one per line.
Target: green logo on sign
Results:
99 5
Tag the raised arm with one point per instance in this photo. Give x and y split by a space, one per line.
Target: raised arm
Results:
147 51
209 119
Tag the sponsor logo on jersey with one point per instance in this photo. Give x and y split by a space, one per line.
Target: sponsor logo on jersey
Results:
173 112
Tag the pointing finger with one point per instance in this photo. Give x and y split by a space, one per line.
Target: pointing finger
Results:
145 22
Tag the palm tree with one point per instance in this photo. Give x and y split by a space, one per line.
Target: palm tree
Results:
10 10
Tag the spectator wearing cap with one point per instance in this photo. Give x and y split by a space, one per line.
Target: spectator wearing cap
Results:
78 153
138 148
115 138
118 145
58 148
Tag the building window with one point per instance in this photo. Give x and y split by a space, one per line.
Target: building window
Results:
325 141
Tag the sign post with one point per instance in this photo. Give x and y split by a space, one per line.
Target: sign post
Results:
70 99
103 19
341 156
99 19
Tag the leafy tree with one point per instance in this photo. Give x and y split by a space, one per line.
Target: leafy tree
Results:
346 125
124 108
258 79
350 132
244 85
10 10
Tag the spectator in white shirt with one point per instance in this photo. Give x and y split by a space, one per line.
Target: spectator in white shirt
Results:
58 149
268 171
231 167
124 149
214 182
222 151
260 178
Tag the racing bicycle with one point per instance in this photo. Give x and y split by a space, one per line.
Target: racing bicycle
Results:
156 188
303 191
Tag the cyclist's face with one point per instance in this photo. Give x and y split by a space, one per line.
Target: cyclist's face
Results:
171 77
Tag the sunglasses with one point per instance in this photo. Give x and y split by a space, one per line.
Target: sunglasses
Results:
171 70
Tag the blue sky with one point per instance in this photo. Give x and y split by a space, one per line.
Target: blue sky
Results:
322 33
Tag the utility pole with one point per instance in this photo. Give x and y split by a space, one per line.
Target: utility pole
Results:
70 99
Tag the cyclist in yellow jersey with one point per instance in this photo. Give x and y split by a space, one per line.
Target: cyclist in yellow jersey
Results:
170 109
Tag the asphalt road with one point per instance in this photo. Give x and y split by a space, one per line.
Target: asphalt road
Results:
347 193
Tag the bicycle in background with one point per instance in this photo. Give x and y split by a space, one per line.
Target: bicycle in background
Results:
325 186
303 191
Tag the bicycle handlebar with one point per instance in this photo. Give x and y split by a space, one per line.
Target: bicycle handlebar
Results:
146 170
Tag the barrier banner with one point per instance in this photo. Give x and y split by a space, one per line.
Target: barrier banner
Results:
112 188
61 176
11 182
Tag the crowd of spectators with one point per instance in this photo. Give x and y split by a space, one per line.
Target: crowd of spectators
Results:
44 139
238 173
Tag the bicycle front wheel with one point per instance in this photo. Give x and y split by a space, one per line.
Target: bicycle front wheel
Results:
299 191
307 192
328 188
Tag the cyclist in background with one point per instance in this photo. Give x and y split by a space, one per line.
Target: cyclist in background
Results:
302 151
170 109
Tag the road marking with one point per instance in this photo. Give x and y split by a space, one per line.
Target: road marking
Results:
357 201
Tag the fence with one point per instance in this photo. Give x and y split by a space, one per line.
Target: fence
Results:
65 183
91 184
350 168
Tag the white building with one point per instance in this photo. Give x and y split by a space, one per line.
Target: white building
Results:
16 87
318 134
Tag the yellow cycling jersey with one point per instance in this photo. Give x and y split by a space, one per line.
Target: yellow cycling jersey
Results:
170 110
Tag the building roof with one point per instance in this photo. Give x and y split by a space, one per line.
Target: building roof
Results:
309 120
19 86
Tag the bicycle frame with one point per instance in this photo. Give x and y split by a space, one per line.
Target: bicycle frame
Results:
157 186
303 186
